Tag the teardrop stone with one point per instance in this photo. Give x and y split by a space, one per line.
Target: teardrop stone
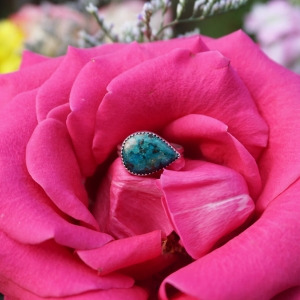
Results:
144 153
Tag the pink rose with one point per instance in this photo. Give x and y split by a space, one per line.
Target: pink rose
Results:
75 225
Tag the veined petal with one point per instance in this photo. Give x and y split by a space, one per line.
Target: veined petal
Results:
205 137
129 205
56 90
179 83
275 91
56 270
259 263
205 202
124 252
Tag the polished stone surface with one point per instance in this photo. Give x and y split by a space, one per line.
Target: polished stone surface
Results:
145 153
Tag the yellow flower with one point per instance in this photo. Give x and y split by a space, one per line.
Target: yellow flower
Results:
10 46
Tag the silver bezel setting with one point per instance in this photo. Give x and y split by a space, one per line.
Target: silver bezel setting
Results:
157 136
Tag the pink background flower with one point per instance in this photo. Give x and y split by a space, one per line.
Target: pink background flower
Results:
276 26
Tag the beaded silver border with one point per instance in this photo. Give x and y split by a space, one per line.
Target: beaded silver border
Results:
144 132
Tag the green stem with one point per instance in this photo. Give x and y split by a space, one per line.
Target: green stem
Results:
193 19
162 18
179 22
100 23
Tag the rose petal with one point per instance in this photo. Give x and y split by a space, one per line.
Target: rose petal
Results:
60 113
276 93
56 270
193 43
179 83
216 144
258 264
123 253
56 90
144 270
218 202
33 77
290 294
52 164
87 93
91 86
181 296
30 58
129 205
134 293
27 214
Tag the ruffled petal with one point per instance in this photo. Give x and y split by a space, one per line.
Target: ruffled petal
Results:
56 90
57 272
145 270
179 83
25 80
181 296
52 164
123 253
129 205
205 202
258 264
290 294
60 113
30 58
207 137
276 93
87 93
91 84
193 43
27 214
134 293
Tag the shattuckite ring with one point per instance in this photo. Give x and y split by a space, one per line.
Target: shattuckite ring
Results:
144 153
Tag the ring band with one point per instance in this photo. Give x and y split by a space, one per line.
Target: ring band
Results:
144 153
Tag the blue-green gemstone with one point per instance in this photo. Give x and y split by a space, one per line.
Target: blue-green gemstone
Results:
144 153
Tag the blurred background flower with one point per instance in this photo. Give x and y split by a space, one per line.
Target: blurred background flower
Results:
276 27
11 39
49 27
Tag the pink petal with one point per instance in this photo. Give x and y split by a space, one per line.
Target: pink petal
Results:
181 296
290 294
205 136
30 58
129 205
91 84
27 214
16 292
123 253
52 164
25 80
258 264
218 202
60 113
51 270
276 93
144 270
87 93
56 90
179 83
193 43
134 293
